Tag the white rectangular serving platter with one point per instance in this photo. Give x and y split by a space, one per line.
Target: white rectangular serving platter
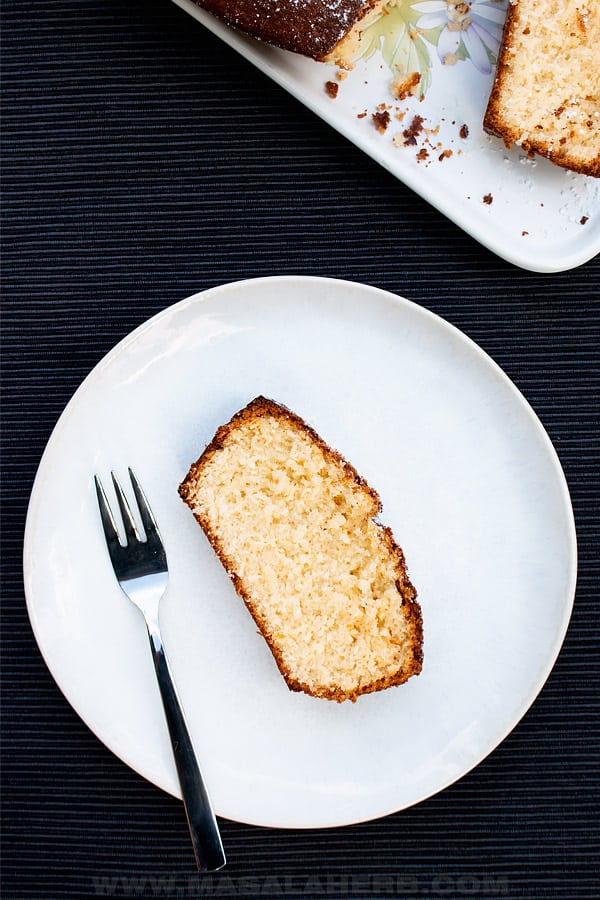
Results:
527 211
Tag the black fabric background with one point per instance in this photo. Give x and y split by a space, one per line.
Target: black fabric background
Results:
144 161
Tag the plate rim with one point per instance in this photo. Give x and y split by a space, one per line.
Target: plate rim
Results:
206 295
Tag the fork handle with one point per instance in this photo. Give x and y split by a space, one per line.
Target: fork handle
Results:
206 840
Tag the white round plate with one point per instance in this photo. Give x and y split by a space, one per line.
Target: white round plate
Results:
470 485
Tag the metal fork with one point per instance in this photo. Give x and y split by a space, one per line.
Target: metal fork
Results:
141 569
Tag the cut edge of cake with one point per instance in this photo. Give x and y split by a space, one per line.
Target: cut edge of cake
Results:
346 50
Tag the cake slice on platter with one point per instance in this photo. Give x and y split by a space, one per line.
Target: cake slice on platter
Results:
325 30
546 95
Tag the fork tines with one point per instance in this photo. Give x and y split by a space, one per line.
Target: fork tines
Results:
132 532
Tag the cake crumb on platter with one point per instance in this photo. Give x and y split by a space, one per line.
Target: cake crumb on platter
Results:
404 86
381 119
411 133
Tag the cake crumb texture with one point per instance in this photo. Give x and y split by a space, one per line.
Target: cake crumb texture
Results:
546 95
295 527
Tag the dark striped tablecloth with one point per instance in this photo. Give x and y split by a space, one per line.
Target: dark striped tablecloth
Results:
143 161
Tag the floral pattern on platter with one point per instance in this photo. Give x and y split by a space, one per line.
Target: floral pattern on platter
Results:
458 30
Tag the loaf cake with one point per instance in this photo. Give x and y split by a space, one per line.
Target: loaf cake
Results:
295 527
325 30
546 95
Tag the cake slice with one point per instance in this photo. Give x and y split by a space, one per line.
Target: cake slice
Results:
295 527
546 96
325 30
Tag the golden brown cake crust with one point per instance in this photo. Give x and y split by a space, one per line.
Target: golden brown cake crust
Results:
309 27
261 406
563 151
493 121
